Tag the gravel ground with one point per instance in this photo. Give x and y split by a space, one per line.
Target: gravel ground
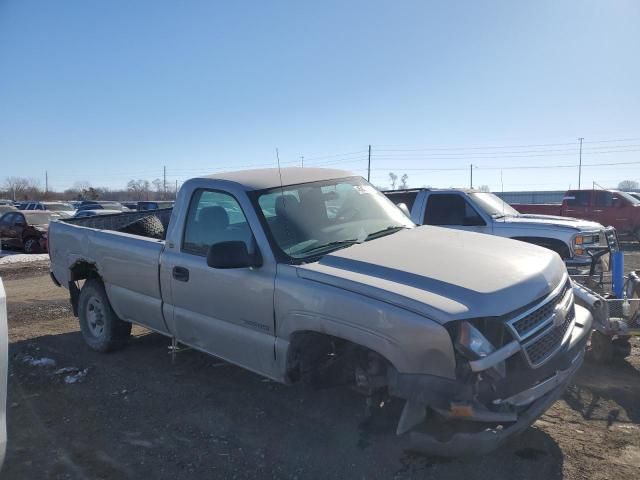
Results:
77 414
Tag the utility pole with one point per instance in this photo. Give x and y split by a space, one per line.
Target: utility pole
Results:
302 160
580 164
471 173
46 182
164 183
369 166
176 190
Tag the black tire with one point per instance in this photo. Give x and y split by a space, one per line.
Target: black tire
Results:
31 245
602 348
149 226
101 329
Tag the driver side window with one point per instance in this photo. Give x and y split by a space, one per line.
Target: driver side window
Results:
450 209
214 217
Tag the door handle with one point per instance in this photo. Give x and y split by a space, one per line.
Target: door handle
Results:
181 274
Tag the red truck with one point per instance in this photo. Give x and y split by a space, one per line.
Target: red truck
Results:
608 207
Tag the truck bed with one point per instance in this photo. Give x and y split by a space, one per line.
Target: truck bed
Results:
119 220
127 263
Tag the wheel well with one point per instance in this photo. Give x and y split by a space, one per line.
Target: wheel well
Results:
82 270
558 246
321 359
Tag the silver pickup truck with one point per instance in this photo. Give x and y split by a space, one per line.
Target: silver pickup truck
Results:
313 275
579 243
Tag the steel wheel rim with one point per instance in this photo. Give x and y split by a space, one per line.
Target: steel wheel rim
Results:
95 316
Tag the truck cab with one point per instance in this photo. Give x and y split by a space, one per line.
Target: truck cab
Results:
608 207
466 209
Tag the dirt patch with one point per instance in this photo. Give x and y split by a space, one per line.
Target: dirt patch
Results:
134 414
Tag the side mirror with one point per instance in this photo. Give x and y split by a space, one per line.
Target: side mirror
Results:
232 254
404 208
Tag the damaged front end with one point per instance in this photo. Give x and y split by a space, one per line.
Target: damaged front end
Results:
509 370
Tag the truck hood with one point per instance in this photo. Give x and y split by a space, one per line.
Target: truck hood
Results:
443 274
551 220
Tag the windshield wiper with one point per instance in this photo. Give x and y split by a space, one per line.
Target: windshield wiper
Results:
385 231
331 245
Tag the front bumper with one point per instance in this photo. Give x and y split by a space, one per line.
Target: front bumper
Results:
495 420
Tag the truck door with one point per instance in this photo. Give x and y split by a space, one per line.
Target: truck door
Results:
577 204
453 210
225 312
603 209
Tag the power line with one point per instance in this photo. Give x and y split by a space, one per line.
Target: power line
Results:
521 167
435 148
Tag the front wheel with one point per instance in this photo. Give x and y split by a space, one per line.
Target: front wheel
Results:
101 329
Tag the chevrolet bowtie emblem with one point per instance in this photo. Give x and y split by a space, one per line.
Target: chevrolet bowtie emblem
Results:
559 316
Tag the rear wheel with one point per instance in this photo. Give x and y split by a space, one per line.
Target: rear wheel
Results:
101 329
32 245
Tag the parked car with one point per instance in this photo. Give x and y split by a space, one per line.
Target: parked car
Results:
142 206
27 230
609 207
465 209
313 275
4 362
101 205
51 206
7 208
6 202
130 205
94 213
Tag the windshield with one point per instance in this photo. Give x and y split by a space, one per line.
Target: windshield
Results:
493 205
629 197
315 218
41 218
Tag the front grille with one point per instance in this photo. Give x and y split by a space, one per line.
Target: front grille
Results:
528 323
539 349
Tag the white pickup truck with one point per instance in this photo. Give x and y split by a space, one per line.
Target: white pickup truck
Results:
313 275
578 242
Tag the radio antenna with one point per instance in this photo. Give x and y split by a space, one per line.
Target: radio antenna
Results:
284 200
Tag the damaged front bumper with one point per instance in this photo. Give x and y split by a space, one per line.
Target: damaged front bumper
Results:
479 425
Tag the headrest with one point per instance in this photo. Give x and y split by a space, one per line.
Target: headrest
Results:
215 216
287 202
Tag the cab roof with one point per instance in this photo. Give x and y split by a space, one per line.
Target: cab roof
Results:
266 178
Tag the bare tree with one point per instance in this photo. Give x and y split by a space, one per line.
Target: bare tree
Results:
21 188
139 188
628 185
403 181
393 178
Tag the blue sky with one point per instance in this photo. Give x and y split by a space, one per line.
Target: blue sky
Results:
108 91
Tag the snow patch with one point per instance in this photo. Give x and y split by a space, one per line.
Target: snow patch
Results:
39 362
7 257
76 377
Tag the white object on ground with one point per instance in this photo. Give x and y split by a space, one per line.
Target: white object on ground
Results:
39 362
76 377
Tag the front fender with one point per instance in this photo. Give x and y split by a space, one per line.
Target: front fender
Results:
410 342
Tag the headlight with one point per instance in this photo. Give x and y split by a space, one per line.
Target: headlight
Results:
472 343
